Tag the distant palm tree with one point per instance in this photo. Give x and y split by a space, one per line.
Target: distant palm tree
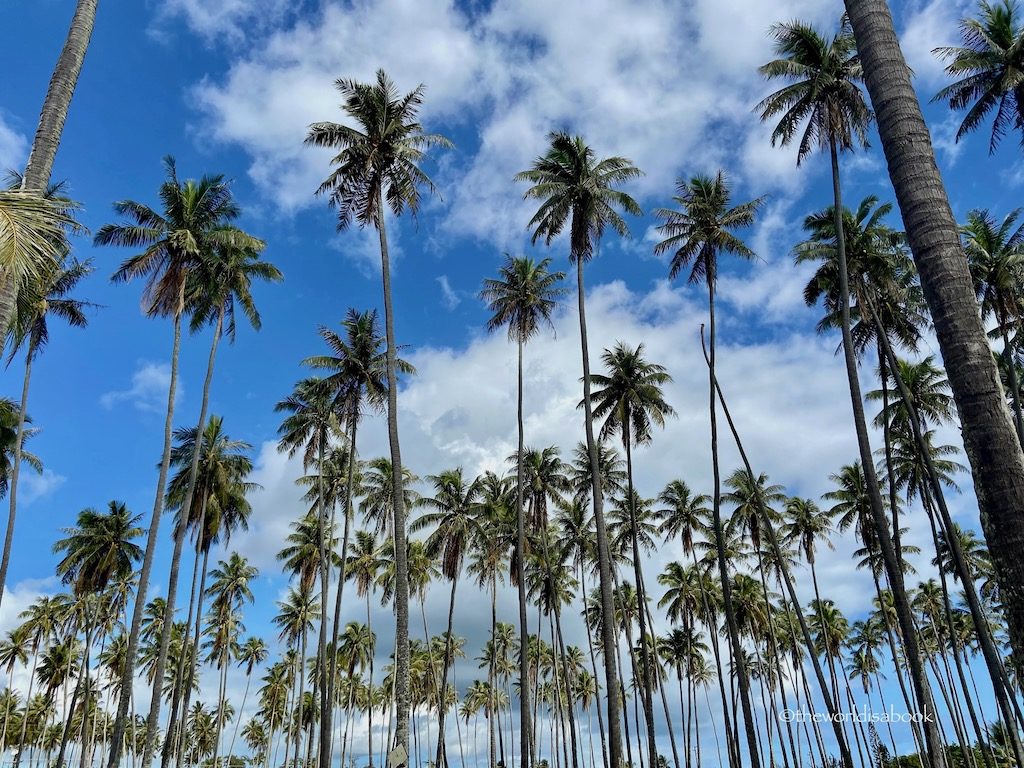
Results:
376 168
988 64
523 298
579 191
196 217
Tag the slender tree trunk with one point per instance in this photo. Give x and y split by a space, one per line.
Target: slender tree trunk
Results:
492 702
24 720
12 488
48 135
604 558
191 655
719 535
325 587
238 719
153 722
593 664
441 759
128 678
79 691
1011 372
989 436
401 675
524 637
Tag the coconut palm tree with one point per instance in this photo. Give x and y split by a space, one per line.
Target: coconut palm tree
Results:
823 103
295 618
38 300
703 227
454 516
523 297
630 401
377 167
579 191
989 435
97 551
988 66
196 217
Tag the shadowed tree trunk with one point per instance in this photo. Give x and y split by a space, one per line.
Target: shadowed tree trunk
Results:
989 436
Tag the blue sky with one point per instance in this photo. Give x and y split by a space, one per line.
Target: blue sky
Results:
228 86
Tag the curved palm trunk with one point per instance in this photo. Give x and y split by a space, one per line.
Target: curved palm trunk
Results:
398 495
719 533
190 656
604 558
128 678
24 720
989 436
153 720
441 758
493 722
525 729
645 660
12 489
325 584
593 664
79 690
933 743
48 133
238 719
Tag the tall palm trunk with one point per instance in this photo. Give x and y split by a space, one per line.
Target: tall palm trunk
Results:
325 584
989 436
933 745
398 500
12 488
525 750
716 510
128 676
191 658
441 759
153 721
645 656
24 720
47 138
80 689
493 723
604 557
593 665
238 720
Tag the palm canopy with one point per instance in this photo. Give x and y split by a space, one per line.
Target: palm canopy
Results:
578 189
453 511
995 255
222 282
99 549
357 364
195 218
703 226
823 102
311 420
523 297
378 160
46 296
34 232
881 274
990 65
9 418
629 398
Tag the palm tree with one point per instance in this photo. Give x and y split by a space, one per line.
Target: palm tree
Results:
453 512
97 551
989 435
824 103
630 401
995 255
195 219
357 378
295 618
988 65
37 301
39 167
578 190
523 298
702 228
376 165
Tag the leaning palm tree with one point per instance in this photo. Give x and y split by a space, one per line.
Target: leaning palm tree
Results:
38 300
696 234
988 64
824 106
454 514
988 432
524 298
376 168
40 160
195 218
629 400
96 552
579 191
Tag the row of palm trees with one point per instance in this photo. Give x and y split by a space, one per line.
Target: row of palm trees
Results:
199 266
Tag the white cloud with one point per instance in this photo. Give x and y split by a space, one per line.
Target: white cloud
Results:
35 486
233 20
13 147
147 391
927 26
449 296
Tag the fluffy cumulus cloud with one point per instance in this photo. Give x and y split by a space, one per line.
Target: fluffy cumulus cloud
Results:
13 147
928 25
615 71
147 390
221 19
